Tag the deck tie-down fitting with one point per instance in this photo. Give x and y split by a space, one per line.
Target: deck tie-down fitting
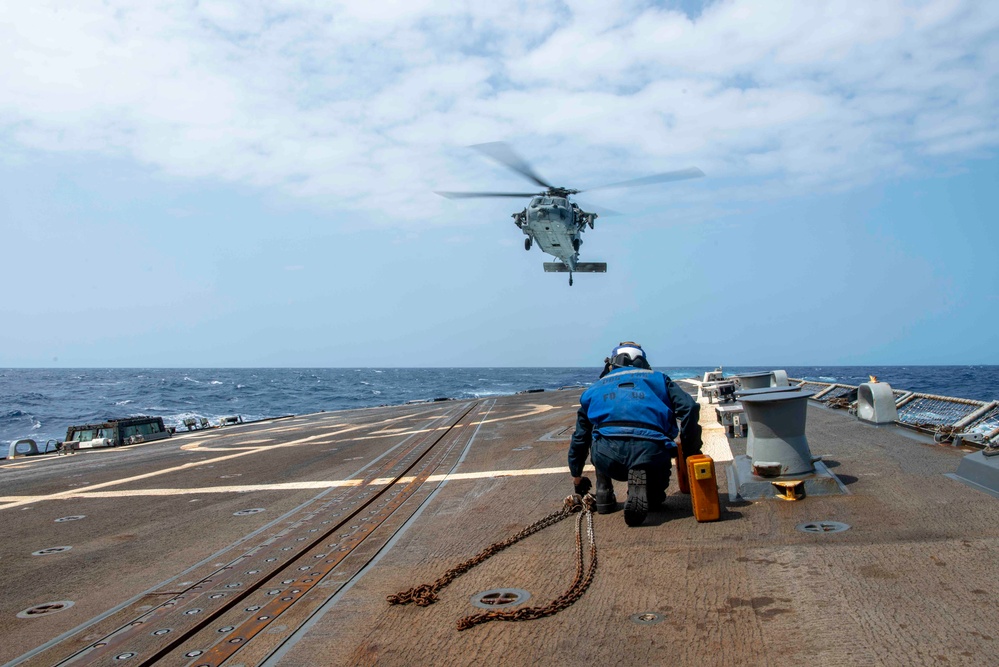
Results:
789 490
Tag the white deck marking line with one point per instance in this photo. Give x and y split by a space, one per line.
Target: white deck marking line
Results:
192 464
278 653
344 428
536 409
224 550
17 502
294 486
88 491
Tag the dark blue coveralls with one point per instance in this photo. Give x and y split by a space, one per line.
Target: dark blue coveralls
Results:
627 419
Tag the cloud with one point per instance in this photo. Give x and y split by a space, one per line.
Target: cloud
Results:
363 106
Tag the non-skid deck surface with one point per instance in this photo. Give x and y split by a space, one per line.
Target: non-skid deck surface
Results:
392 497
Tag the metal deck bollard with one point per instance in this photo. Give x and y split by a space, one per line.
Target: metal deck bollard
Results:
754 380
739 395
777 432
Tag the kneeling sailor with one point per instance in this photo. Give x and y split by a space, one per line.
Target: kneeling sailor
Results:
627 424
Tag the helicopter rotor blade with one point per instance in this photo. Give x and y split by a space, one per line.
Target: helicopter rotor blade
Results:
679 175
599 210
472 195
501 152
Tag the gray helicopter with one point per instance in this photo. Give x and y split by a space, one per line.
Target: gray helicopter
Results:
556 223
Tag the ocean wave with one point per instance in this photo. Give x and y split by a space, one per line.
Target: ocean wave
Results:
216 382
826 378
55 401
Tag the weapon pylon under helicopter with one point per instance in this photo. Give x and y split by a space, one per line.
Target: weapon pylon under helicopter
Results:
550 218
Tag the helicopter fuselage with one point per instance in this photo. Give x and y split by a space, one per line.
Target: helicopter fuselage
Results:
556 225
550 219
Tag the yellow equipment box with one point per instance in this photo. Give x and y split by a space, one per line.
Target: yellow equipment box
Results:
703 487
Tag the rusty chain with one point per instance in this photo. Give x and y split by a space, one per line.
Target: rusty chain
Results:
426 594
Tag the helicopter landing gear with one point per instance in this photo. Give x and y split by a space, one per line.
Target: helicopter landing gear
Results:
527 243
570 280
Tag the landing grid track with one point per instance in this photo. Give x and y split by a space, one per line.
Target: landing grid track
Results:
254 602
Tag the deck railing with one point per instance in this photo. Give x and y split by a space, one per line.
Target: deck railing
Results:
945 417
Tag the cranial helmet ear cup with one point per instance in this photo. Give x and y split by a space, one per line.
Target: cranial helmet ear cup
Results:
622 359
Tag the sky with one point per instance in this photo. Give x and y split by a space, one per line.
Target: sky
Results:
242 184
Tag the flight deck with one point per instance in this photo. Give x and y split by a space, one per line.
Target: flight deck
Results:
277 543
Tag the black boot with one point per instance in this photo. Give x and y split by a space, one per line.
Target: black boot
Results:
637 506
606 500
658 482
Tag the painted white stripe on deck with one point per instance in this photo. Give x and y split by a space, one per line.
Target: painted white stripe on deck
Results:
291 486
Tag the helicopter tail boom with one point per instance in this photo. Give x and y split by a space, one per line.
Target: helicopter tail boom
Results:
581 267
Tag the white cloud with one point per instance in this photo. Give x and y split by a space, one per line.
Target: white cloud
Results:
360 104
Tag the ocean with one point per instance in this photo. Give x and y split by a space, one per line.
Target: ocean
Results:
42 403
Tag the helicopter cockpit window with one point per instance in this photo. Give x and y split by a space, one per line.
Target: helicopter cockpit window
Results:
547 201
536 202
558 201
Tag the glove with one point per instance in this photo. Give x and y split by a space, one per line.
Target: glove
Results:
583 487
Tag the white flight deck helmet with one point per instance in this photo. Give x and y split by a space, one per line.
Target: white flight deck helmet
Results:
628 353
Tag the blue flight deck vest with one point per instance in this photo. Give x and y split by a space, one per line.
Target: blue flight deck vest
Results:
630 403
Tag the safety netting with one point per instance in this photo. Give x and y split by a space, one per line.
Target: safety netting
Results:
929 411
839 391
813 386
986 423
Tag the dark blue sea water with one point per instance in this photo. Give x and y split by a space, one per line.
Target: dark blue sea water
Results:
42 403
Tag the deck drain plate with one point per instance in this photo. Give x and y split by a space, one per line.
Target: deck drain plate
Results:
50 550
648 618
254 510
71 518
45 608
500 597
822 527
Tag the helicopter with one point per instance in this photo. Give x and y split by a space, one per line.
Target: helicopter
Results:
550 218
